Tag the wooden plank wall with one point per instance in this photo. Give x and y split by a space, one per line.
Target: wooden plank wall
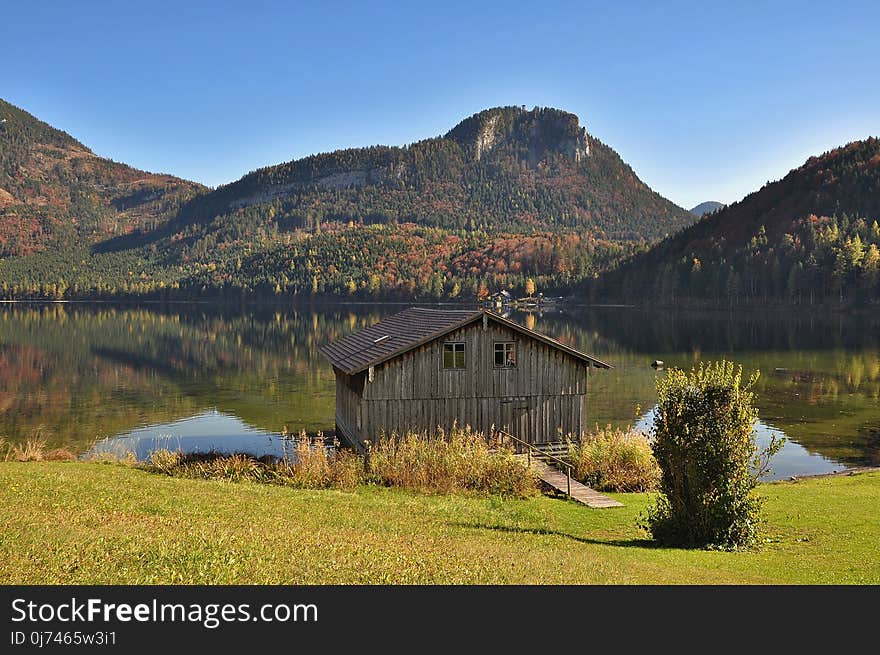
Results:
540 400
349 392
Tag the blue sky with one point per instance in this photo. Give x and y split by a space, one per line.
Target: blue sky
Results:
704 102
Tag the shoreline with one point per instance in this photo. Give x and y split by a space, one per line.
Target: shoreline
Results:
855 470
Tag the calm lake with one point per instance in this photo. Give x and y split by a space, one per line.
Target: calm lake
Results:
208 377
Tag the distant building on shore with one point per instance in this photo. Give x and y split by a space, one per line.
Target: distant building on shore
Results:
499 299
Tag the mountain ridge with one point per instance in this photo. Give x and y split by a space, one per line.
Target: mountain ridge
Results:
54 189
812 235
707 207
502 168
506 194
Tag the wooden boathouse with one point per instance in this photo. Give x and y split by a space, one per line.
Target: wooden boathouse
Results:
426 368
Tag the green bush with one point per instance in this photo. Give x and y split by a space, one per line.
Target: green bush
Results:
705 445
614 460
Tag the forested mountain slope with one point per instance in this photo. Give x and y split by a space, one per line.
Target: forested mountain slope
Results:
812 236
506 195
55 192
501 169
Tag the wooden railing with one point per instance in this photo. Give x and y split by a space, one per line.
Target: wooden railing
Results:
561 463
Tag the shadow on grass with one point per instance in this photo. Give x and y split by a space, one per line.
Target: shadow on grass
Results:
622 543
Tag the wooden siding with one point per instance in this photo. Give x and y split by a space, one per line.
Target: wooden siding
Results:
541 399
349 397
537 419
419 374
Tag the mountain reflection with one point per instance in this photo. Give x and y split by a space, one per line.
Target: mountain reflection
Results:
79 374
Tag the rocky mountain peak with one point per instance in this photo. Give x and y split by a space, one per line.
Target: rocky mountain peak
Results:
533 133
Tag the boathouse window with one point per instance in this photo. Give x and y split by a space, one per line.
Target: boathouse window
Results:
453 355
505 354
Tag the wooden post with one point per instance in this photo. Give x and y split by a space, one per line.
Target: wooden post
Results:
568 480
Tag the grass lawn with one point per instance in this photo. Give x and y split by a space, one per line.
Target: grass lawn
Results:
108 524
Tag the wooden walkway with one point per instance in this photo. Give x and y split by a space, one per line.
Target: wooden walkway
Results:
579 492
538 458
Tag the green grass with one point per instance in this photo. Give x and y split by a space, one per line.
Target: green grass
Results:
105 523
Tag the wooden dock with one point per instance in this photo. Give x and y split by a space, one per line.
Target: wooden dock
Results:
580 492
547 462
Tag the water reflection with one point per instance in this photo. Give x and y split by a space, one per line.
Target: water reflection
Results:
791 460
207 432
81 374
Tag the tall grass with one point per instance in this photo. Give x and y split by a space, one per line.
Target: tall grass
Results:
316 466
461 461
614 460
313 466
33 449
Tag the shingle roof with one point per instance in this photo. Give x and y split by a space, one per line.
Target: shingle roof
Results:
412 327
400 332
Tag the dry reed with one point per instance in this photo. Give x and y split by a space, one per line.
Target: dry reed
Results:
614 460
461 461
